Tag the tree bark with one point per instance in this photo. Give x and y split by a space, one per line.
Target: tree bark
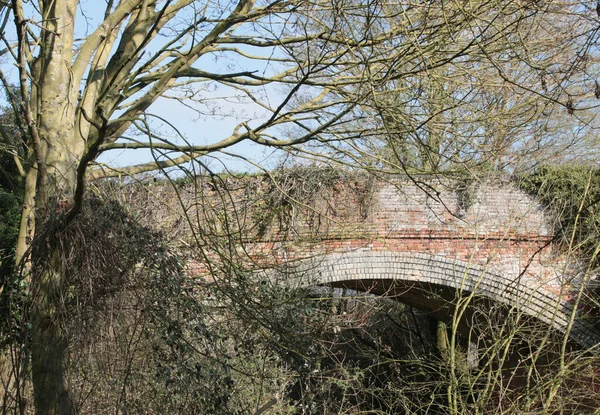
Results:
49 284
49 351
52 109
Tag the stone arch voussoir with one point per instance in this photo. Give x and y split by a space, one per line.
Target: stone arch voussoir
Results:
355 266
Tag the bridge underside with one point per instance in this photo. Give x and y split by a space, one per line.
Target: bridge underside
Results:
437 285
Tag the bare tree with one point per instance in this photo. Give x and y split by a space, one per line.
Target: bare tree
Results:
503 85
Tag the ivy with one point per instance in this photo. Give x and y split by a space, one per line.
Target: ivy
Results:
572 193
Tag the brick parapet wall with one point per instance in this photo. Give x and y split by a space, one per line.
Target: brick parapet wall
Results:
501 226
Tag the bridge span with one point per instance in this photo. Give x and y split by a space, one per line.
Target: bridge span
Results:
415 241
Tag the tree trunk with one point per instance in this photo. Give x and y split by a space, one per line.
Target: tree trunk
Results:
50 341
49 288
49 310
58 152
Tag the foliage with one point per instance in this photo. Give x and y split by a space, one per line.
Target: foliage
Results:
305 191
9 226
10 214
145 337
11 198
572 192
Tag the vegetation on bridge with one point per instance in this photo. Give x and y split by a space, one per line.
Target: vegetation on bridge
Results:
572 192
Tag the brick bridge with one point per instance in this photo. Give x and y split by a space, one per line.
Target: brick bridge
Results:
426 244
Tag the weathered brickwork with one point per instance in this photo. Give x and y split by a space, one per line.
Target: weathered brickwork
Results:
492 239
393 273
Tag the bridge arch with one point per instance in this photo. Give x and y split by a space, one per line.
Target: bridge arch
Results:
410 278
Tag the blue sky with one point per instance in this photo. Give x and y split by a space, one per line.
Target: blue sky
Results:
196 129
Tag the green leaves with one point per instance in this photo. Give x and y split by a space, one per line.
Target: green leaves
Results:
572 192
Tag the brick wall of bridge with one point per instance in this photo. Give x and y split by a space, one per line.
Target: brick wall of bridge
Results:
493 224
500 228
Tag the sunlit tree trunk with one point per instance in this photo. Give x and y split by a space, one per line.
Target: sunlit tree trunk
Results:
51 183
